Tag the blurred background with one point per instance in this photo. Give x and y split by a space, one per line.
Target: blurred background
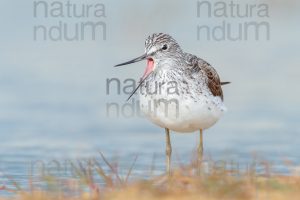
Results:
54 98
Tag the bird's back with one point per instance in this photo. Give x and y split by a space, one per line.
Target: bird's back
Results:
210 75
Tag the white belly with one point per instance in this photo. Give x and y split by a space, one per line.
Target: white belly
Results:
181 113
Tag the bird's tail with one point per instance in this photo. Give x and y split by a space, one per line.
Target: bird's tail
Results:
225 83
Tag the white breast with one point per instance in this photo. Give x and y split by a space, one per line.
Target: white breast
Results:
179 111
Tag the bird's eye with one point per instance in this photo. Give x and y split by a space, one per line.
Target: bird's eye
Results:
165 47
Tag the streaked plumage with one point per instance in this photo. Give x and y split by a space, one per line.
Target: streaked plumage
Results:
199 97
178 90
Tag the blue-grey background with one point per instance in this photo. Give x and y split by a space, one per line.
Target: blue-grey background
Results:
53 94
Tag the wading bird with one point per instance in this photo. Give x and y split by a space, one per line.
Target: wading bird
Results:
178 91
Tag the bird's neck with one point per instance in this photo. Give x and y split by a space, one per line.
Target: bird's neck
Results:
168 64
168 69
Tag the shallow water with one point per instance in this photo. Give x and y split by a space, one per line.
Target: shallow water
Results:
44 153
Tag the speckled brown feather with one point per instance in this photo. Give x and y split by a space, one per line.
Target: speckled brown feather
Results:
213 80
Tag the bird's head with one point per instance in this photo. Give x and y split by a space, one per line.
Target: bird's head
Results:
158 47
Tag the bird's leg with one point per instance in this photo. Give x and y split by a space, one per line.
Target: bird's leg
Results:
200 150
168 151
